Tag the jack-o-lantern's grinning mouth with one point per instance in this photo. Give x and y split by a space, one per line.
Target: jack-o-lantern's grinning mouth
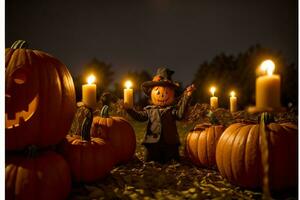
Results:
22 116
163 101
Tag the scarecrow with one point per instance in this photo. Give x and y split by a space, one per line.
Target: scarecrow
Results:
161 139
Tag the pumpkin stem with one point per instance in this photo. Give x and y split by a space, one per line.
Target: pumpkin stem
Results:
19 44
86 126
265 119
212 118
104 111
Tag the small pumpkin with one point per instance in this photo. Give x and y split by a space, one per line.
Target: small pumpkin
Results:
39 98
238 155
201 144
118 132
46 176
162 95
89 158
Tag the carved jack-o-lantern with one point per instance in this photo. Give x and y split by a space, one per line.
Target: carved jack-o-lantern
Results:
162 96
39 98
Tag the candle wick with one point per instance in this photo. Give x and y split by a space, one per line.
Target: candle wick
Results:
270 72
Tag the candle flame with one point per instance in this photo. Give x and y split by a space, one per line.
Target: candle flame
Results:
232 93
268 66
91 79
212 90
128 84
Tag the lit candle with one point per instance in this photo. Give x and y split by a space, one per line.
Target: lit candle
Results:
89 92
128 95
268 87
213 99
233 102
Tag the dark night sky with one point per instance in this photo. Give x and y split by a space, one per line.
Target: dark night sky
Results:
150 33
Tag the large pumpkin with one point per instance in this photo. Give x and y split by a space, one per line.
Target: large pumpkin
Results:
46 176
162 95
39 98
201 144
116 130
89 159
238 155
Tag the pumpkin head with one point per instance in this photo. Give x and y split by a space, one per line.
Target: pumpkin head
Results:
39 98
238 155
201 144
162 95
89 160
118 132
46 176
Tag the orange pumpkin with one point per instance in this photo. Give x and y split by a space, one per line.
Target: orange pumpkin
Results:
89 159
162 96
46 176
116 130
201 144
39 98
238 155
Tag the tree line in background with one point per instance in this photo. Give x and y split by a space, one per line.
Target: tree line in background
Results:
226 72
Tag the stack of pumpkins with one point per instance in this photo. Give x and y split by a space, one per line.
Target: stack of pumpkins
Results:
40 105
111 137
236 151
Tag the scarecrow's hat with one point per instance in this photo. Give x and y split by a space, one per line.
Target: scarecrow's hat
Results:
162 78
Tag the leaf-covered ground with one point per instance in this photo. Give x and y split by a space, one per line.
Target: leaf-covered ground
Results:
174 180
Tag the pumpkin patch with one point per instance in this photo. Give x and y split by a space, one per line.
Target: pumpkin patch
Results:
40 105
151 99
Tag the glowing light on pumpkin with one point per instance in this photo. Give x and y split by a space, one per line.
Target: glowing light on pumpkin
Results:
91 79
268 66
22 116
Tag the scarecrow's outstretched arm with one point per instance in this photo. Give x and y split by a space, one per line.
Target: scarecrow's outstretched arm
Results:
179 112
183 103
138 115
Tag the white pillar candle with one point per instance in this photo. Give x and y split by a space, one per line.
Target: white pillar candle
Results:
89 95
213 99
268 87
233 102
128 95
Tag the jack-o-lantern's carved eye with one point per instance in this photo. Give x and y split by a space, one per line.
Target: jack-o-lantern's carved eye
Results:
20 76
